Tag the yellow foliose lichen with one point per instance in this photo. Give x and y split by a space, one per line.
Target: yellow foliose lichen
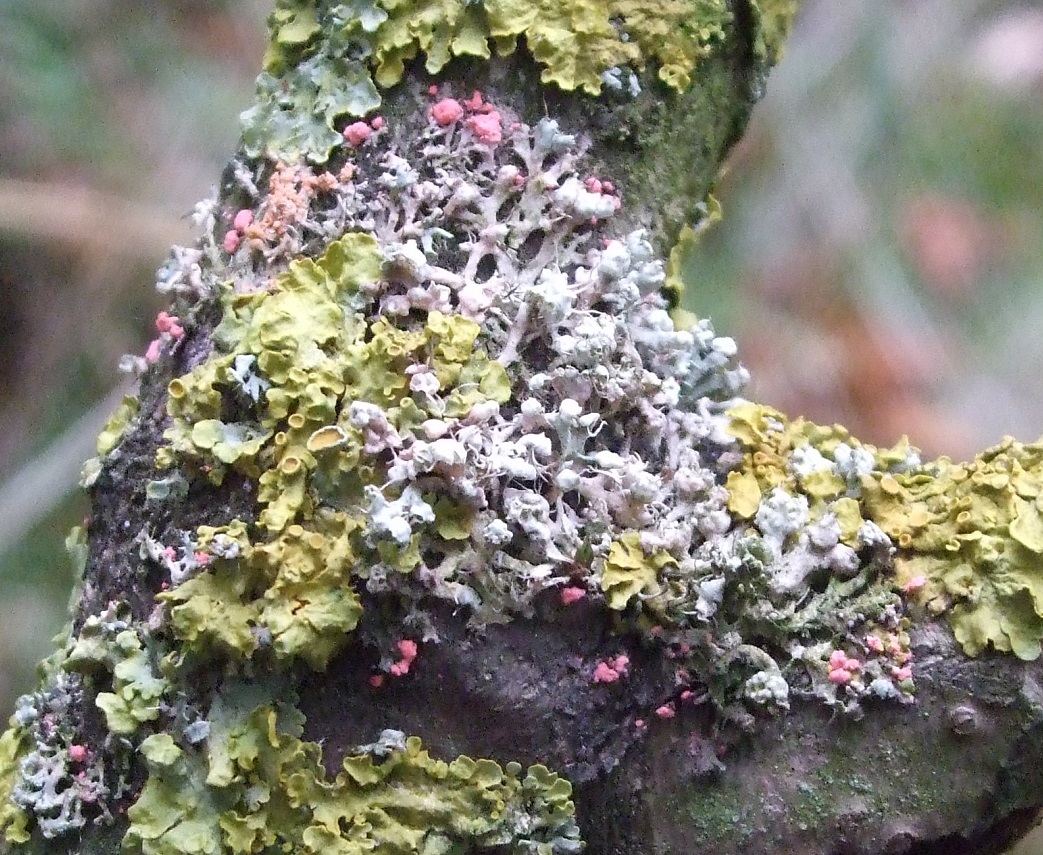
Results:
629 572
13 748
196 802
970 539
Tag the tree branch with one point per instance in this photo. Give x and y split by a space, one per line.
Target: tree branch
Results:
437 527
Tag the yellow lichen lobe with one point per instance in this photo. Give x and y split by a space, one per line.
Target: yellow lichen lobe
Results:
970 538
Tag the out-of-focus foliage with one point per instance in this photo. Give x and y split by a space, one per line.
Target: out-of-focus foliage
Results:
881 253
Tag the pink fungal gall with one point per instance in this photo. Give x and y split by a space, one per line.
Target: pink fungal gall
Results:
202 558
231 241
474 103
376 680
357 133
840 677
914 584
837 659
900 674
447 111
170 324
874 643
407 648
164 321
605 673
571 595
666 711
432 89
242 219
486 127
77 753
377 122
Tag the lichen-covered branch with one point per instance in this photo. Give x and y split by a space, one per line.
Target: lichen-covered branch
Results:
437 527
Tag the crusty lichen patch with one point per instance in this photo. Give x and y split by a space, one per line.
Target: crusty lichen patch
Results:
967 536
442 374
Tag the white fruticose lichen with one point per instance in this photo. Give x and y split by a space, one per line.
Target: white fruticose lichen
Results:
62 783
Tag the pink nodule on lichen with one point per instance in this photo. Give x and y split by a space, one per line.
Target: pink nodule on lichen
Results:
78 753
840 676
407 648
377 122
357 133
902 673
231 241
572 595
837 659
852 665
486 127
170 324
447 111
376 680
475 101
914 584
874 643
593 184
242 219
619 664
605 673
432 89
666 711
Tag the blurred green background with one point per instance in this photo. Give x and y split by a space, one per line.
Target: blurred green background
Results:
880 262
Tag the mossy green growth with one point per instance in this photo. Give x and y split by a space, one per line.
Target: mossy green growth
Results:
774 20
258 787
969 536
